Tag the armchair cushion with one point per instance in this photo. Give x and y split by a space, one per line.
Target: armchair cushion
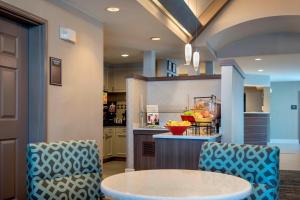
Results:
83 186
255 163
63 170
262 191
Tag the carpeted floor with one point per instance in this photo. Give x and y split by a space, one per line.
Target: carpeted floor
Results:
289 185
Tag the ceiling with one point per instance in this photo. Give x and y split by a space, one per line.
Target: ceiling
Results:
129 31
280 67
273 34
198 6
274 39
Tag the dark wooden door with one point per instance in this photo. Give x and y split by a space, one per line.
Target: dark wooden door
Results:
13 109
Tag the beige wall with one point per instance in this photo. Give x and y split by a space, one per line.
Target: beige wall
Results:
177 96
254 99
136 100
75 109
267 99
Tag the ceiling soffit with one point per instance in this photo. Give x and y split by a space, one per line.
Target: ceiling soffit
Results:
179 17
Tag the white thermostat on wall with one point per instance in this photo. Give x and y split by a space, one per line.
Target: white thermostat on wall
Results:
67 34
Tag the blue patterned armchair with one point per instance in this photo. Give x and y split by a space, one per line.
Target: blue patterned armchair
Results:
255 163
63 171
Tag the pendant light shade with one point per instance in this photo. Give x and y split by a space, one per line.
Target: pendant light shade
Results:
188 53
196 60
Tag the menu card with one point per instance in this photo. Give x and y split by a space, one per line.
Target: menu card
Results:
152 115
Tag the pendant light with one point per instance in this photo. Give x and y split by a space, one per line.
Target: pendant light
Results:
196 60
188 53
196 54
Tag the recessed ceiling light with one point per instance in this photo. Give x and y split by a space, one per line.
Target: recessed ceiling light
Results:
124 55
113 9
260 70
155 38
258 59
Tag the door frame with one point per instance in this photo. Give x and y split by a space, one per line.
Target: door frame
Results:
37 68
298 117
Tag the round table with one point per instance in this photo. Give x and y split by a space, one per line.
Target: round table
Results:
175 184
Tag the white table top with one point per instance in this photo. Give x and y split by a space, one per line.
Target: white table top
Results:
169 135
175 184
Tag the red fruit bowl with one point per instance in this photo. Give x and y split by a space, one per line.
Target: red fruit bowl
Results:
177 130
188 118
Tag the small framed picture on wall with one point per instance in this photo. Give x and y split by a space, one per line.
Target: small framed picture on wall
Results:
173 67
55 71
169 66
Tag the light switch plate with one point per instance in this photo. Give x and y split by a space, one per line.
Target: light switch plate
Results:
67 34
294 107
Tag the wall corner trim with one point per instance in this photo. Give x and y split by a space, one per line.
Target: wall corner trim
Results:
233 63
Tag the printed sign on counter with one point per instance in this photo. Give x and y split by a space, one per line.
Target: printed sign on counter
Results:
152 115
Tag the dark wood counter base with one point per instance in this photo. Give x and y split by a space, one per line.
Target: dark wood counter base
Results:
256 128
166 153
144 148
177 154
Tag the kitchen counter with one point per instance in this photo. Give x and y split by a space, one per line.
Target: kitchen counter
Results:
157 148
256 127
144 147
150 129
180 151
169 135
256 112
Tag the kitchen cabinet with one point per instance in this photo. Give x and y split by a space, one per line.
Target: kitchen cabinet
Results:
114 77
120 142
114 142
119 80
107 85
108 135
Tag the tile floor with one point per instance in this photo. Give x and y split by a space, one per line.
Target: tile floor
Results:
113 167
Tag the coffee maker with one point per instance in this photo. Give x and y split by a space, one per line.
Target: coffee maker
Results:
109 113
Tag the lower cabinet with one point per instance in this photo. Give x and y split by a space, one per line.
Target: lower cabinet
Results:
120 143
108 135
177 153
144 149
114 142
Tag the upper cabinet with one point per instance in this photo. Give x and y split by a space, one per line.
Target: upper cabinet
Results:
107 85
114 77
119 80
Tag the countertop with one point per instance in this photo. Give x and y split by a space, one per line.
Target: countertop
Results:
256 113
169 135
115 125
150 129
